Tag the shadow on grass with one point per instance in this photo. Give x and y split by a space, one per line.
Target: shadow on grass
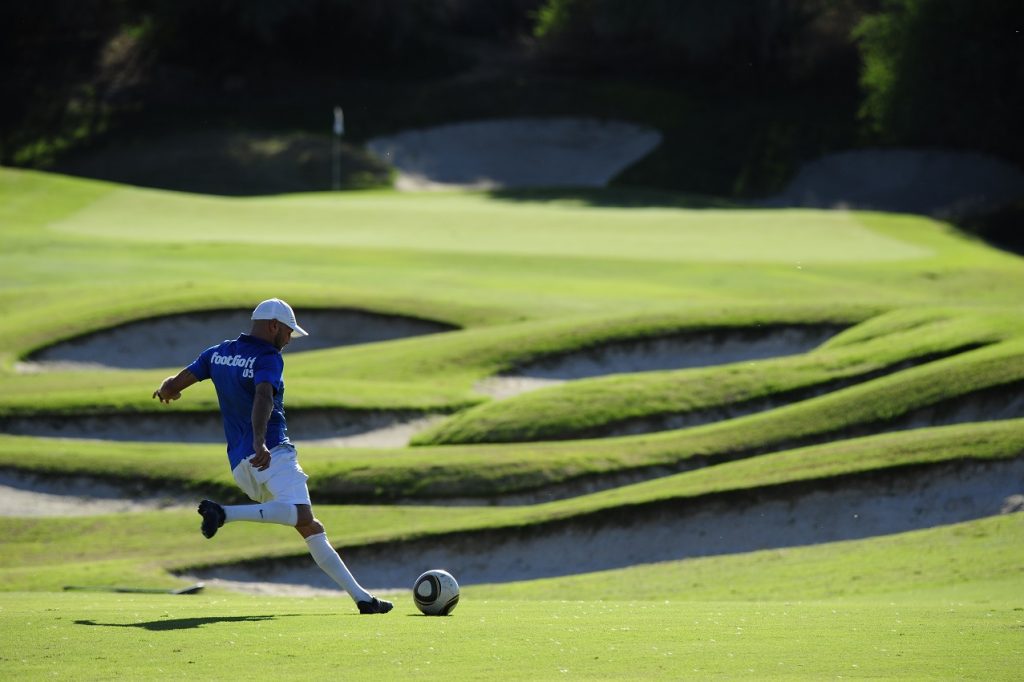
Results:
183 623
615 197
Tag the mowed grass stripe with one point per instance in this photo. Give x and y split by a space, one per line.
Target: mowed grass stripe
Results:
437 370
497 469
583 408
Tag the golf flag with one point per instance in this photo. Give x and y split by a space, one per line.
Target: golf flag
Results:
339 121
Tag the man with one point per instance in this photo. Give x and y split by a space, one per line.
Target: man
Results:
248 375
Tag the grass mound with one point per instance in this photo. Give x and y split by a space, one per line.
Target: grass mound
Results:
606 406
924 377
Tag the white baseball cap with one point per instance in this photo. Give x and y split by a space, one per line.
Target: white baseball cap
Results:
276 309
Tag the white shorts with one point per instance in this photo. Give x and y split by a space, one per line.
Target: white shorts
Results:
283 481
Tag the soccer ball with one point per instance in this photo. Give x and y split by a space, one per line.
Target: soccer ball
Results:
436 593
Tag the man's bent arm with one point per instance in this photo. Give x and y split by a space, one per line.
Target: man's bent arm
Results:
172 387
262 407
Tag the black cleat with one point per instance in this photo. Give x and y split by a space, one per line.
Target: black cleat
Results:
374 606
213 517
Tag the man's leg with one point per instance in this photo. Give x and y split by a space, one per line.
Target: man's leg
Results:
285 485
330 562
255 484
216 515
267 512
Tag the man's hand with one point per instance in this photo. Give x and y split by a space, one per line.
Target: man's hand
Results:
172 387
164 394
261 460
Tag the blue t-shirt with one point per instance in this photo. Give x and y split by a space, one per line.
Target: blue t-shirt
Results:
236 368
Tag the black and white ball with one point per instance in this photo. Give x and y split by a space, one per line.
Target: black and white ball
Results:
436 593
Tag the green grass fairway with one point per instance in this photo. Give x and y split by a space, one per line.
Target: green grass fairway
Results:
96 636
894 608
915 392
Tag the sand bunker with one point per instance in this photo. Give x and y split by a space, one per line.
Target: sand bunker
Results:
931 182
28 495
1004 402
87 496
170 341
528 152
158 339
388 429
175 340
564 152
698 349
337 428
996 404
858 507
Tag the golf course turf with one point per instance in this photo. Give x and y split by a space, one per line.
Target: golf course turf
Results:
915 385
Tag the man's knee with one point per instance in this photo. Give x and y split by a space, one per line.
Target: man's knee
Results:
306 523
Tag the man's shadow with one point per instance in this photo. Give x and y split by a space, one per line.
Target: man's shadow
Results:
183 623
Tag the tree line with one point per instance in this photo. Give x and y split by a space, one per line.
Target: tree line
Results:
932 72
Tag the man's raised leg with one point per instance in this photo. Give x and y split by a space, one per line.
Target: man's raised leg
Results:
216 515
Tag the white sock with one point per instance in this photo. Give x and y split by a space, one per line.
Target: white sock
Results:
331 564
268 512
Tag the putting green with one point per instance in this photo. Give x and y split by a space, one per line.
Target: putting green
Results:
477 223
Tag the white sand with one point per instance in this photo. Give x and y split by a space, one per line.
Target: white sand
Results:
855 508
28 495
395 435
526 152
173 341
694 349
112 349
932 182
580 152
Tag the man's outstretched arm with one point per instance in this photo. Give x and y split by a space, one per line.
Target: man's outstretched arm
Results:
172 387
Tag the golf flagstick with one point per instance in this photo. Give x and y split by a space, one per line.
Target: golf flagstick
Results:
190 589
